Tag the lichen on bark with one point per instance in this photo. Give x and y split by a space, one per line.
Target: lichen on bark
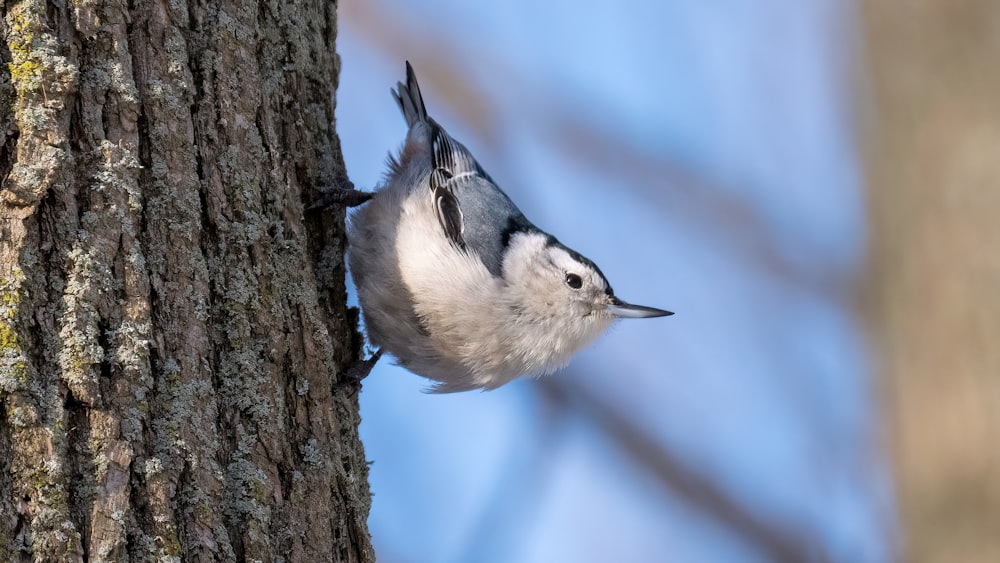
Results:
173 323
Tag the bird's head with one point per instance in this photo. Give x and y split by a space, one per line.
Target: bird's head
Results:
563 291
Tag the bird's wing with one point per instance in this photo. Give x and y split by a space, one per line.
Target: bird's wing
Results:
449 212
474 213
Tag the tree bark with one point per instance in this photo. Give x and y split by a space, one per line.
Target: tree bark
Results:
173 323
934 293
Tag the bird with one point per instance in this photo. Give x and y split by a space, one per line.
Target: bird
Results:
455 282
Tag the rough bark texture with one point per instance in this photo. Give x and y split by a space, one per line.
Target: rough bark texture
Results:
935 286
173 326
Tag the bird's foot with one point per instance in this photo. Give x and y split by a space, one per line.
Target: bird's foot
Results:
358 371
340 196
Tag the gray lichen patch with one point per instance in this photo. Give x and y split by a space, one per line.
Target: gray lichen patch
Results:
41 478
42 79
81 352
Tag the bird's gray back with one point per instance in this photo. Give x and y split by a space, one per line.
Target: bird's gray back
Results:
474 213
490 217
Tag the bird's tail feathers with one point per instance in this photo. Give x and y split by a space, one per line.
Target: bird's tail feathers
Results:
411 103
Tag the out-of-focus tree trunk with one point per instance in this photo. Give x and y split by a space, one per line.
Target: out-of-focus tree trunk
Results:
934 298
172 325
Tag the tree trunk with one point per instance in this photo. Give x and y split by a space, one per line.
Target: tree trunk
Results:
173 324
935 285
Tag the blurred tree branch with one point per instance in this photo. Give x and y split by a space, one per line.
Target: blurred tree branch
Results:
779 542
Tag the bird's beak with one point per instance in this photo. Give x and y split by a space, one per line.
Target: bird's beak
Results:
625 310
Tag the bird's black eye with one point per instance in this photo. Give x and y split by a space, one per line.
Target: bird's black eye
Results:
574 281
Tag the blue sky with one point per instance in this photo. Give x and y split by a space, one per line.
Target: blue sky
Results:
705 156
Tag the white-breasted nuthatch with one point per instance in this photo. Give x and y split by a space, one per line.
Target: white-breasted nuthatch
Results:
455 282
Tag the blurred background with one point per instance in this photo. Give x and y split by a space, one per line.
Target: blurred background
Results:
810 186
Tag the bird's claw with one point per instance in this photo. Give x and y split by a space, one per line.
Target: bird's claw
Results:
337 196
359 370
